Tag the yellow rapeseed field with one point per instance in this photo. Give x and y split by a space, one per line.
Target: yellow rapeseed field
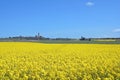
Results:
37 61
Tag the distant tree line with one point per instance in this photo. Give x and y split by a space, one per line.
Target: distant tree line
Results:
39 37
83 39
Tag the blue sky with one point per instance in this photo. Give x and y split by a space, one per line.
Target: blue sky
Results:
60 18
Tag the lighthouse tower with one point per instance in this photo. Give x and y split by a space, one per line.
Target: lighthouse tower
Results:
38 36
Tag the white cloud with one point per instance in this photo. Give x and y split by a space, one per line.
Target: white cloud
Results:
116 30
89 4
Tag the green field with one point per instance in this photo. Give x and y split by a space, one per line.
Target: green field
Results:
79 42
66 41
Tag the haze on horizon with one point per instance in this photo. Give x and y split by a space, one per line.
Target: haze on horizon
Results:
60 18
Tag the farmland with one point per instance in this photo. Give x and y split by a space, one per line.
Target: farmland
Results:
39 61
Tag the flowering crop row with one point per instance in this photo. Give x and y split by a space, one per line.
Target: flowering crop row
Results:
37 61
